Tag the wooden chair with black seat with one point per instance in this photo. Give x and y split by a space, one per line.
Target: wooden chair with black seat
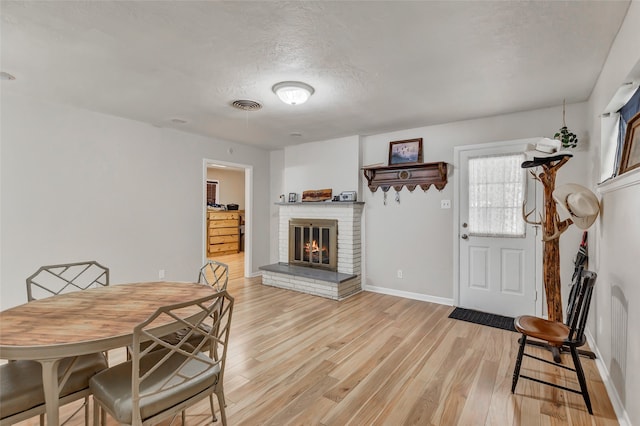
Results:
568 336
21 388
163 379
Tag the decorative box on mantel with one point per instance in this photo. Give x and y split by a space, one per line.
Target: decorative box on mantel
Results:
423 175
346 279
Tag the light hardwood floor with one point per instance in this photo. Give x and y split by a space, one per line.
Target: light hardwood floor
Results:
235 263
375 359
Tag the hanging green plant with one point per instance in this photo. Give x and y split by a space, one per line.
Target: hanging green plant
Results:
567 138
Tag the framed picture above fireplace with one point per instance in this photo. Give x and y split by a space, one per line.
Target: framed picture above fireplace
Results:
405 152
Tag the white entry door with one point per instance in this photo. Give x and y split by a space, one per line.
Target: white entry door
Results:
497 249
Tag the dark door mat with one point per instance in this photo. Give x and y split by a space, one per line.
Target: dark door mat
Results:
483 318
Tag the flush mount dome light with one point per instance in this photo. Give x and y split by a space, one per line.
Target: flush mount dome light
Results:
293 92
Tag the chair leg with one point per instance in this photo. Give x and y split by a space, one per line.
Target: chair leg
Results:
516 370
581 379
223 414
96 413
86 411
41 419
213 409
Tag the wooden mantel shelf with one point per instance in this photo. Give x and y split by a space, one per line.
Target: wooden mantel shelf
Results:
423 175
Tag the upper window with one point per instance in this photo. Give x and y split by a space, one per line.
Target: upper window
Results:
496 192
629 109
212 192
614 128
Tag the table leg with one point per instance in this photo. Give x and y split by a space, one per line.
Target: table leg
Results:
51 392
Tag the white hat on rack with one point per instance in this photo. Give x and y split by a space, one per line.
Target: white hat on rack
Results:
581 204
544 152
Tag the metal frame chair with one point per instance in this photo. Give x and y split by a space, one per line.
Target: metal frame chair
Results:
214 274
562 335
52 280
163 378
21 389
21 393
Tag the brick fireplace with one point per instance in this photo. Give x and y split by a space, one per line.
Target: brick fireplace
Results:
319 278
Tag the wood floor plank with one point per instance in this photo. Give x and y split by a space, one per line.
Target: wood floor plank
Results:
375 359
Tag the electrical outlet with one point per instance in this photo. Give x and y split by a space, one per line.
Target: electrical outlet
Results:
445 204
399 273
161 274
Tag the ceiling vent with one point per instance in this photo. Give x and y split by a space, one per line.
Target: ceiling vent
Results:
246 105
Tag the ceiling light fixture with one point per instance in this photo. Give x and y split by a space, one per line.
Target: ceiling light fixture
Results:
293 92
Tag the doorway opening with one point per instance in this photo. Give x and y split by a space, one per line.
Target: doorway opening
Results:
226 223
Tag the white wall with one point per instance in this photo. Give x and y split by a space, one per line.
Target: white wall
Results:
78 185
416 234
230 185
616 238
320 165
276 160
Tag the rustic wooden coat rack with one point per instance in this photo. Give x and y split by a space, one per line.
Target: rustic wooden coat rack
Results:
552 228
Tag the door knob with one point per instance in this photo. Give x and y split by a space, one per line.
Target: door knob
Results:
464 237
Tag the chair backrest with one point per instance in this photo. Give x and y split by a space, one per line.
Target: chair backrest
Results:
165 368
578 306
51 280
214 274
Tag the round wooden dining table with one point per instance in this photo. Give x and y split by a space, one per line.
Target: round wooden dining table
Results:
83 322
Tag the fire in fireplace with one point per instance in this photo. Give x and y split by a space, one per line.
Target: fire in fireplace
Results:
314 243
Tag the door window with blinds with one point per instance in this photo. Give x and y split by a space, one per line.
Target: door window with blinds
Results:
497 185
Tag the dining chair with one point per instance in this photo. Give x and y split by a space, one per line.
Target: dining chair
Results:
21 389
565 336
163 379
51 280
214 274
48 281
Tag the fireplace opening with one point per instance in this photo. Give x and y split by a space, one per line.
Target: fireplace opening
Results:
313 243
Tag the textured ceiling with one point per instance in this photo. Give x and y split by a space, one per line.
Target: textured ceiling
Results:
375 66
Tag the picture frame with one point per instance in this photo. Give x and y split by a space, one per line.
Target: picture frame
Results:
293 197
405 152
631 147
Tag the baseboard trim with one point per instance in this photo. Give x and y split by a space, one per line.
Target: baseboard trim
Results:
409 295
618 407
